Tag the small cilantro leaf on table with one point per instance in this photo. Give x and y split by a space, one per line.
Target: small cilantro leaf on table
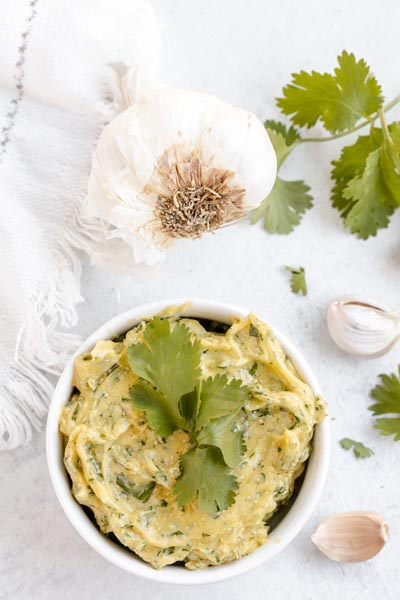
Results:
205 475
298 283
359 450
387 402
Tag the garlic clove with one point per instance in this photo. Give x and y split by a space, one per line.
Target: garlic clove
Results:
362 326
351 537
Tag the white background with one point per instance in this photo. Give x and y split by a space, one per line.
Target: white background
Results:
245 51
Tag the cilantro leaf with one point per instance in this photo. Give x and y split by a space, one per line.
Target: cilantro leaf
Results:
360 91
220 398
160 414
387 396
189 407
350 164
389 426
346 443
290 134
282 210
310 96
205 475
389 173
298 280
282 138
168 359
219 433
366 197
173 396
359 450
371 203
338 100
280 146
390 161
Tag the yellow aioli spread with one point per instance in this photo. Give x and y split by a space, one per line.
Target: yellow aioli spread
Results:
125 473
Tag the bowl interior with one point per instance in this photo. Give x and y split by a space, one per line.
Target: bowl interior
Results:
284 525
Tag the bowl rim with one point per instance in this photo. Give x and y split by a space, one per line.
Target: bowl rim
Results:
281 536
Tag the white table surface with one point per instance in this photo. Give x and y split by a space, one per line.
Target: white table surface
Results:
244 51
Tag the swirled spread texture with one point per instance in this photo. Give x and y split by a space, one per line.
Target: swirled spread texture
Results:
125 473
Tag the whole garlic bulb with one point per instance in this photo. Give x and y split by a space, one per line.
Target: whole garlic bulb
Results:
362 327
351 537
175 164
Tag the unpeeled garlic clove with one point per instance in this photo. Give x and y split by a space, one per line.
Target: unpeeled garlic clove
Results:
351 537
362 327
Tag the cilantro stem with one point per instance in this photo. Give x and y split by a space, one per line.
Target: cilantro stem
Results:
337 136
364 123
392 103
369 121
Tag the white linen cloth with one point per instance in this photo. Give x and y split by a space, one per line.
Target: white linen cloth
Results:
51 59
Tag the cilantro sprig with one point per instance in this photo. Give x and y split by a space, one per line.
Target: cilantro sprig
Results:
387 402
366 176
174 395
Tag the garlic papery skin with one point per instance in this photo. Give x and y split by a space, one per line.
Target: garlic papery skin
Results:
362 326
351 537
176 164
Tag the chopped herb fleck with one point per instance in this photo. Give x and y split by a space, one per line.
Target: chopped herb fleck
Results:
75 413
253 331
167 551
141 492
279 491
96 466
253 369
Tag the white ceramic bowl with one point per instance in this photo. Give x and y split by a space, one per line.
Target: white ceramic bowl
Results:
285 531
